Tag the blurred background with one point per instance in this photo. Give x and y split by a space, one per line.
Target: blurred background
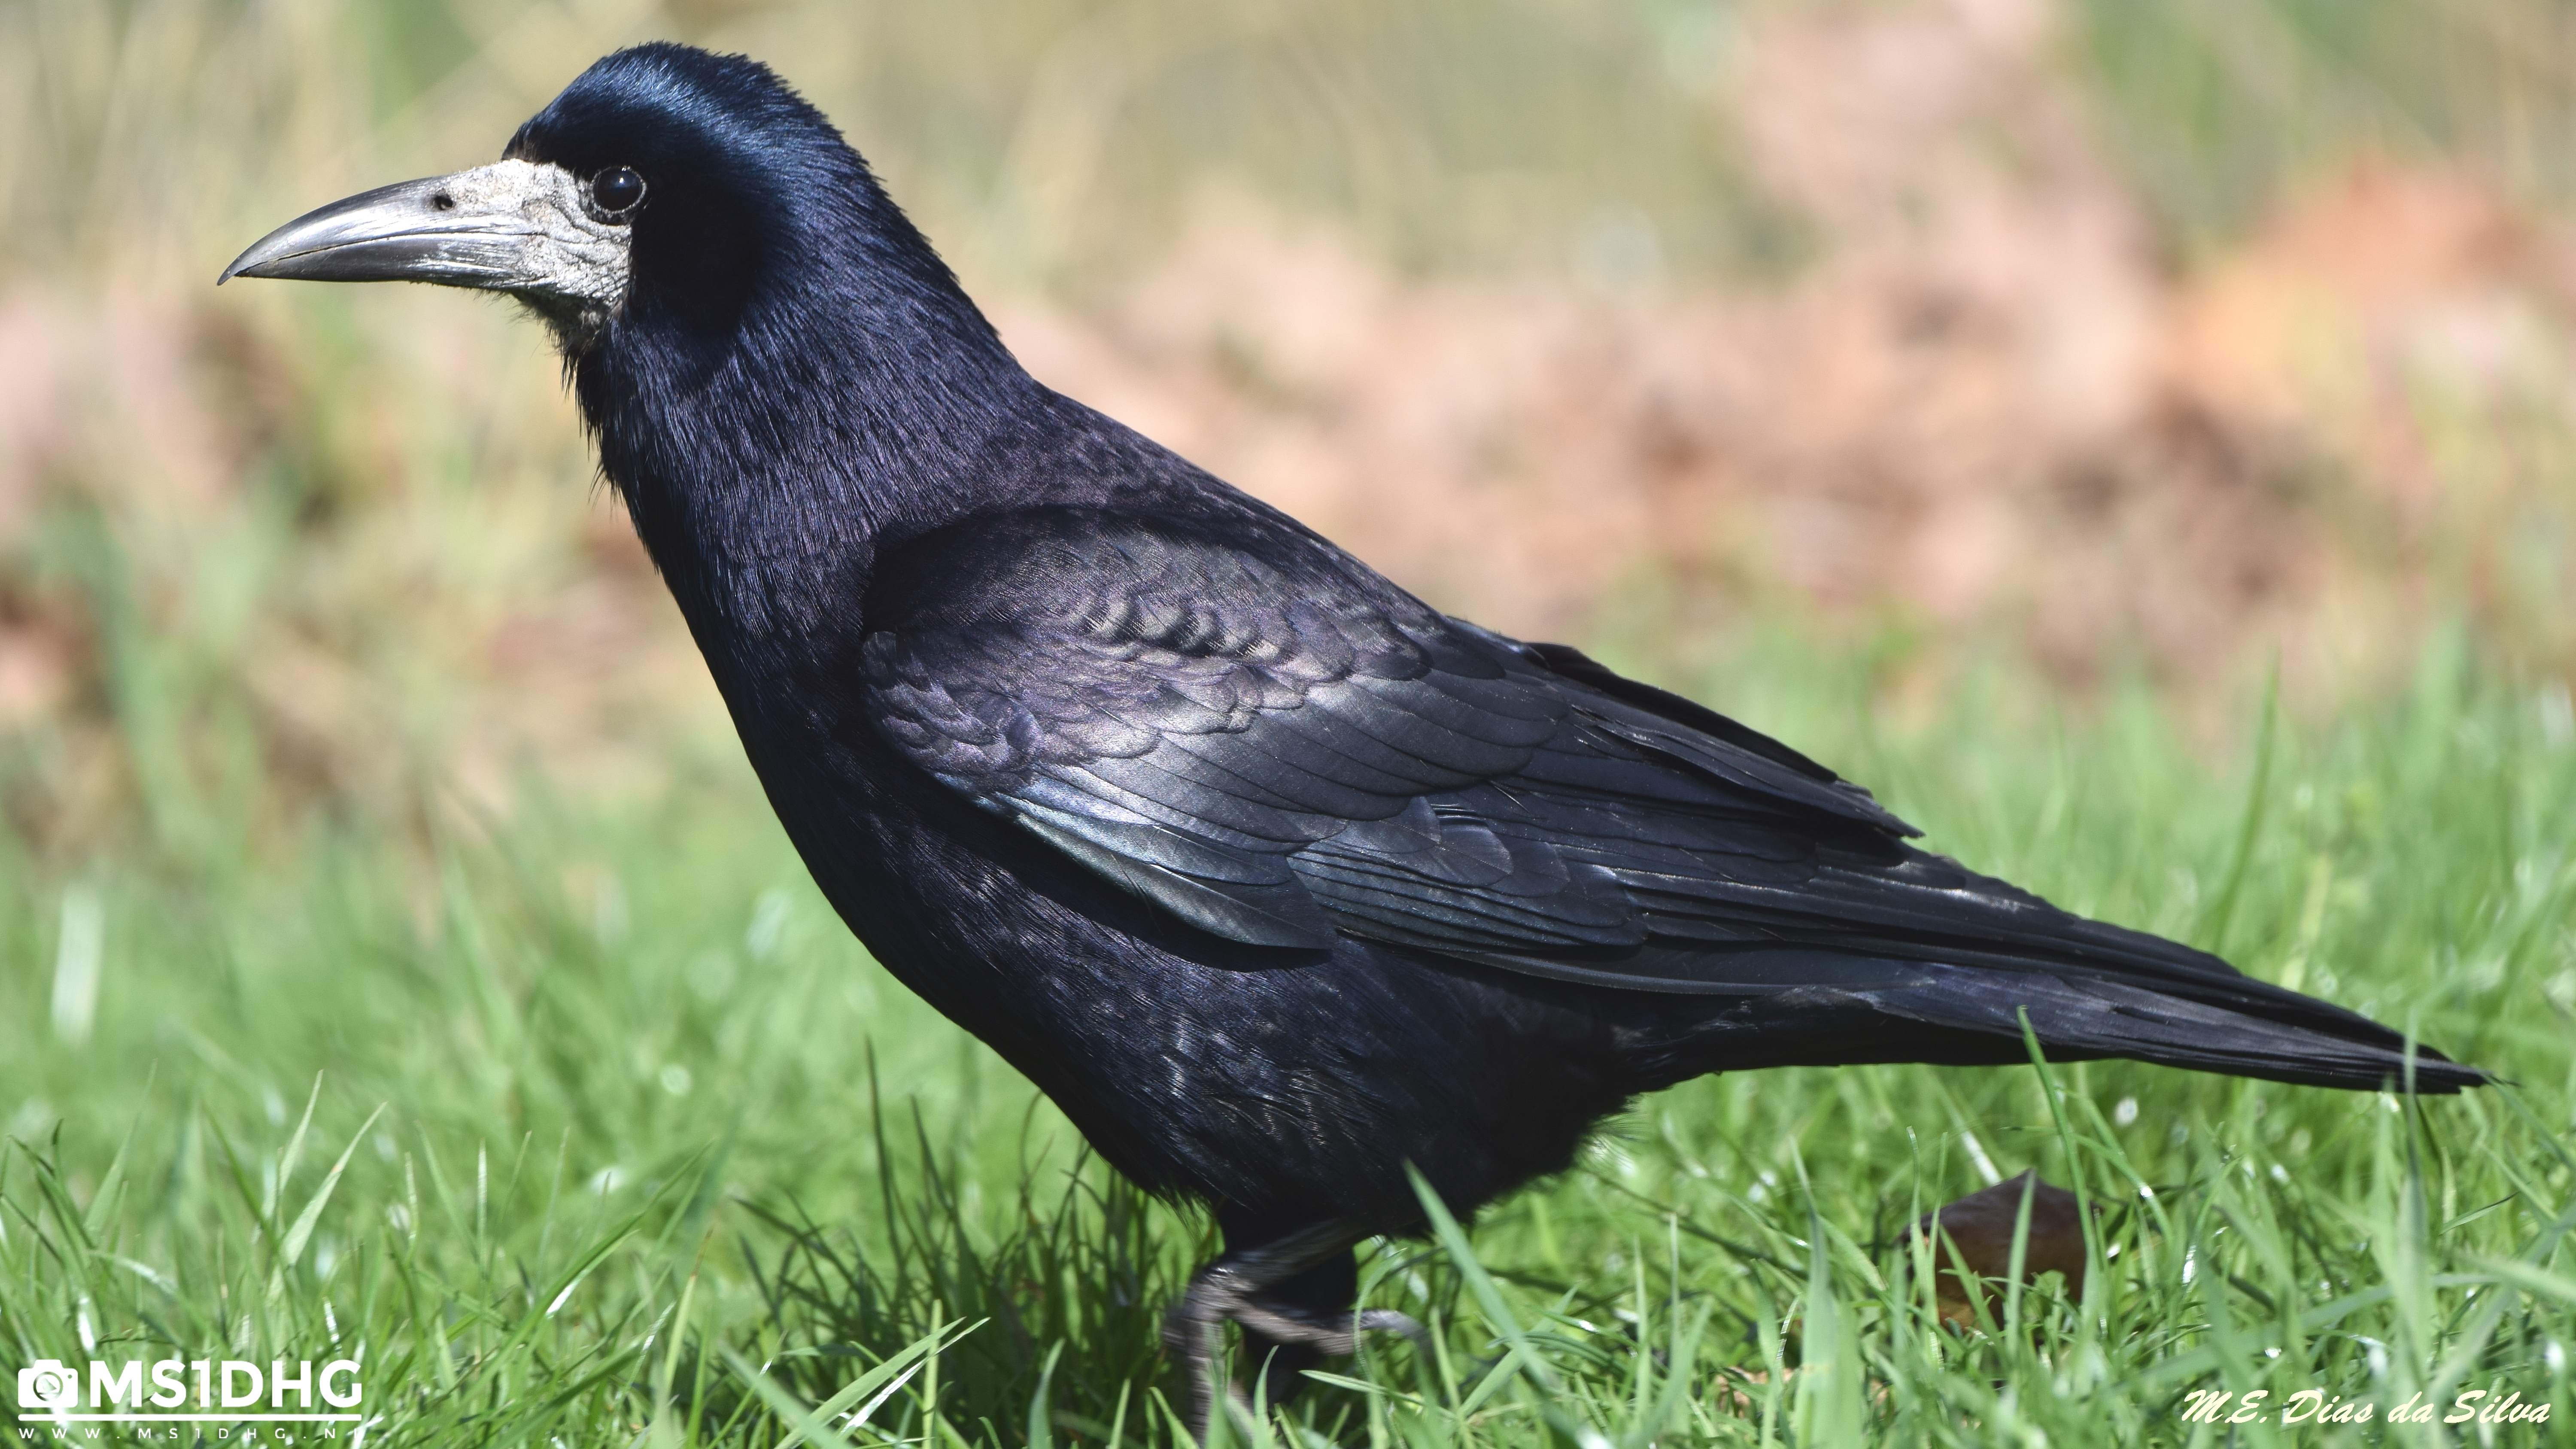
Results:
2100 341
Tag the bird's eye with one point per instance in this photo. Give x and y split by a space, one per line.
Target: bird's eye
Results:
616 191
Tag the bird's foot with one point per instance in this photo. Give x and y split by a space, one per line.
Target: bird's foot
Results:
1329 1335
1286 1340
1236 1287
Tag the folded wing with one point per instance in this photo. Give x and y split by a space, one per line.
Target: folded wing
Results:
1274 745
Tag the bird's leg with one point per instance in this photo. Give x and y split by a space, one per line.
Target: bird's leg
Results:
1224 1290
1286 1339
1240 1286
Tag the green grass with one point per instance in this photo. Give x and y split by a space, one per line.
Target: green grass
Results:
595 1127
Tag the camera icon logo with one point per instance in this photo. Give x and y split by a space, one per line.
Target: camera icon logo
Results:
48 1383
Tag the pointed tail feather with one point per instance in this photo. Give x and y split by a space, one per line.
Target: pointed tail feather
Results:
2095 1017
1967 1016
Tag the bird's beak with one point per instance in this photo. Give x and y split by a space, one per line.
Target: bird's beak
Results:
515 226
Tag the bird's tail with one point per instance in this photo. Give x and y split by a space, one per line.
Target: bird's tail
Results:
2093 1017
1973 1015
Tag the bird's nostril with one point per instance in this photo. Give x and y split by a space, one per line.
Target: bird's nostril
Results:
443 202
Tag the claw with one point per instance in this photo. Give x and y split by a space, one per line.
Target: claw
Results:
1387 1320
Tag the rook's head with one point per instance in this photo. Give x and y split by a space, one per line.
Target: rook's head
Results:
666 183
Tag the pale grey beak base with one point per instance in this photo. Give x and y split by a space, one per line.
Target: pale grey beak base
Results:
407 232
514 226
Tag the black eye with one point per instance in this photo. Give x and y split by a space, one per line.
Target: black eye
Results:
617 189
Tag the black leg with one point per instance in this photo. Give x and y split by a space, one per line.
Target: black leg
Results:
1291 1294
1320 1298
